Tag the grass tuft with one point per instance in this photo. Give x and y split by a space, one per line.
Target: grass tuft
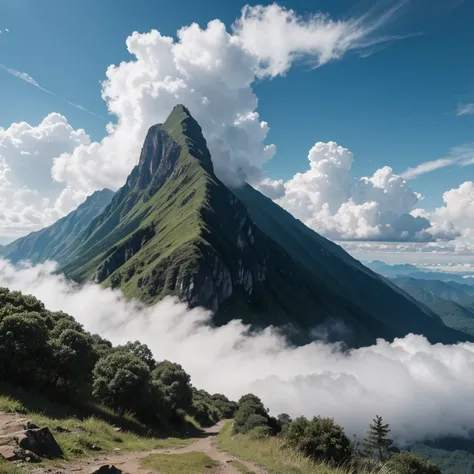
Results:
10 405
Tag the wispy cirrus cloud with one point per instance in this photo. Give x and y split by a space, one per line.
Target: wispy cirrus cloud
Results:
81 107
459 156
25 77
465 109
30 80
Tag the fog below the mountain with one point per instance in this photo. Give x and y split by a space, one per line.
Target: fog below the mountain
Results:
422 390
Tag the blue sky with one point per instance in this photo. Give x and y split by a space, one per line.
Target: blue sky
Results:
396 107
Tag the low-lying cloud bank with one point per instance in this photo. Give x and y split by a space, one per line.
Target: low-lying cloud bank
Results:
422 390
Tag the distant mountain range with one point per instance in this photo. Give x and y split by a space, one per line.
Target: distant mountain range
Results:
56 241
175 229
452 301
392 271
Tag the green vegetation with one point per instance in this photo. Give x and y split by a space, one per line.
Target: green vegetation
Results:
271 454
208 409
377 439
313 446
252 416
319 438
408 463
188 463
133 401
275 455
9 468
78 433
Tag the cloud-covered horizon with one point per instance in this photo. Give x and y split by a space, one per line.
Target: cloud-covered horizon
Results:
422 390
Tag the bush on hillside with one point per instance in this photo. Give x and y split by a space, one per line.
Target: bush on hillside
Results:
284 421
122 381
41 349
319 438
408 463
226 407
259 432
250 414
175 384
142 351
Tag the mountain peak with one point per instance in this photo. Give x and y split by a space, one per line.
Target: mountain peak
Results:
165 143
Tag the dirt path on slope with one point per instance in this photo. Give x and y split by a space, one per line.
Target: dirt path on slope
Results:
129 462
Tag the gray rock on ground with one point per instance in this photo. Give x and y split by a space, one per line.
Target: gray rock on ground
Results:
41 442
14 453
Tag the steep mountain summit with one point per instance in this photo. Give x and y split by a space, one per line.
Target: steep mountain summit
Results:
175 229
163 144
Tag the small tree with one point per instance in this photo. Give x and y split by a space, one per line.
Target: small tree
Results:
377 438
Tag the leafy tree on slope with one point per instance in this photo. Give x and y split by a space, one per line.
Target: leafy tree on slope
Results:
122 381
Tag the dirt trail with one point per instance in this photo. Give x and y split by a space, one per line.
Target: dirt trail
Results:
129 462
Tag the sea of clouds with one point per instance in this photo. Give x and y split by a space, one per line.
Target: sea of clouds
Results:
422 390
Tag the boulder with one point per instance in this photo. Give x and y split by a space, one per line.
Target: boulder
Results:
41 442
14 453
107 469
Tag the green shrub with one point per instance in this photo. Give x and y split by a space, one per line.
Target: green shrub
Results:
319 438
250 414
259 432
408 463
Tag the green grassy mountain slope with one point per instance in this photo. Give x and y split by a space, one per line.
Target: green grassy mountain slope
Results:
55 241
175 229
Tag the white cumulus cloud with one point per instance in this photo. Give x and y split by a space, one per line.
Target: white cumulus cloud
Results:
211 71
328 199
29 198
